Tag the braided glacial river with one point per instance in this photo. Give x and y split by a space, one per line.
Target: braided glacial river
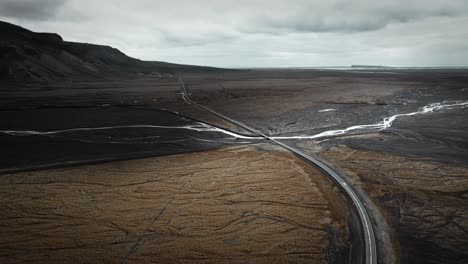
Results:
150 133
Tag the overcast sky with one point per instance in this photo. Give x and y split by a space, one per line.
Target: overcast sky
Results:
260 33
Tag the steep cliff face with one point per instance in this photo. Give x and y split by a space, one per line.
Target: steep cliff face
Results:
31 56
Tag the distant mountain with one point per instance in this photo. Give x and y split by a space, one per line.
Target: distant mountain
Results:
31 56
370 66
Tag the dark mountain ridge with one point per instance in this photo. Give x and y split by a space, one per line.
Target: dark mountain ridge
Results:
31 56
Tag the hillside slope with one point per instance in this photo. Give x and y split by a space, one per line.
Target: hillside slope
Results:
31 56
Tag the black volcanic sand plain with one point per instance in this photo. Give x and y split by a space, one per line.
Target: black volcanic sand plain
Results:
415 173
123 135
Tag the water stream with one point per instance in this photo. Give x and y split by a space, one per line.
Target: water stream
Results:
202 127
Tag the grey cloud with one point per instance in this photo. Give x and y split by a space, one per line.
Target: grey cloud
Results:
29 9
247 33
181 40
319 25
353 16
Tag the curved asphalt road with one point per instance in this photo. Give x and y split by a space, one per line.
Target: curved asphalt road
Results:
369 238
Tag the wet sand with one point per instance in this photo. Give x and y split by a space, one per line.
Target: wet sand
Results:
236 205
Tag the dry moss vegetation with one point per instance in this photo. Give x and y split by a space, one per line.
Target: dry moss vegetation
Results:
234 205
